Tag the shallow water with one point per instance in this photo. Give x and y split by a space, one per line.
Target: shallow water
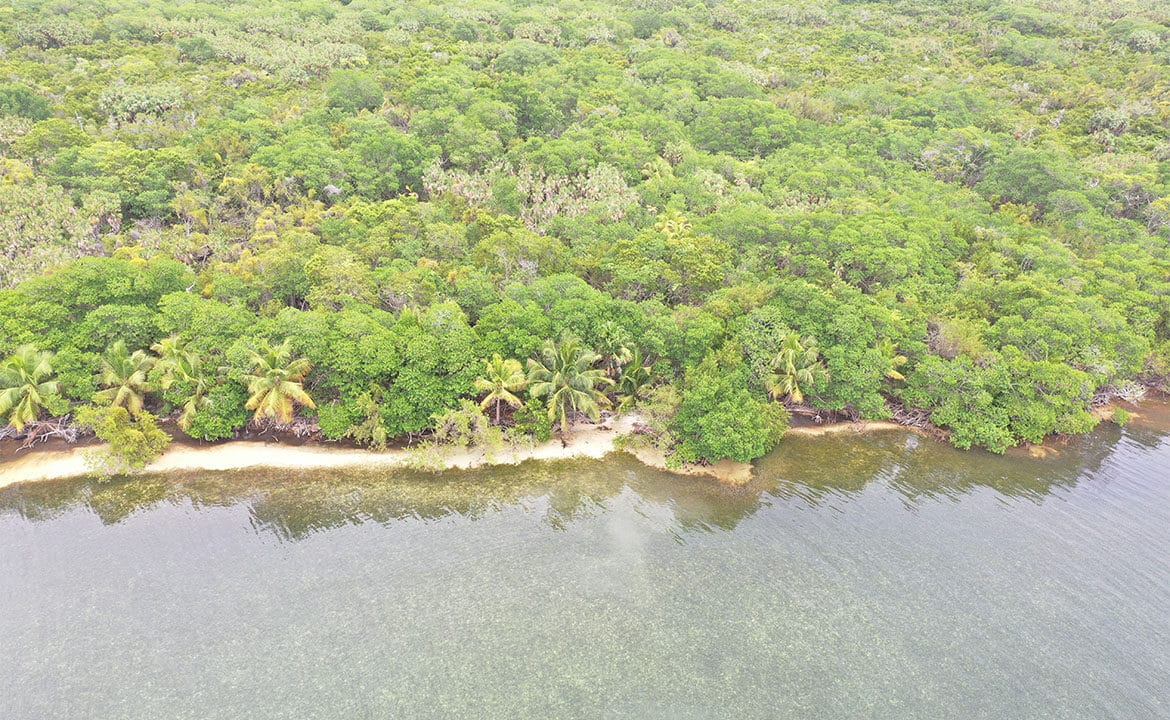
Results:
878 576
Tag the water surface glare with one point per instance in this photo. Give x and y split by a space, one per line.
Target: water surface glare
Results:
877 576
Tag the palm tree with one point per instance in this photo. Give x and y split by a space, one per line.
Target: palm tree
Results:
502 379
894 360
25 385
796 366
123 375
275 383
564 373
168 351
636 375
178 364
673 224
615 346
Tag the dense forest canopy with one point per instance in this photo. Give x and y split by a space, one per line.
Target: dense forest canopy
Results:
369 213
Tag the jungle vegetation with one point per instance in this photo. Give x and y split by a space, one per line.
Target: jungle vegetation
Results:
367 215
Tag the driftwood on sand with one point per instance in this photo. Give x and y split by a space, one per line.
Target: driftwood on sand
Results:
42 431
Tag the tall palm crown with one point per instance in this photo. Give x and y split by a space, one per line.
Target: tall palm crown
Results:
25 385
893 358
274 386
615 346
179 364
501 380
673 224
564 373
636 376
123 375
796 366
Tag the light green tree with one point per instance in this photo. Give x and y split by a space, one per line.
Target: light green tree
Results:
180 365
275 385
564 373
893 358
634 380
124 376
796 366
501 380
614 345
26 384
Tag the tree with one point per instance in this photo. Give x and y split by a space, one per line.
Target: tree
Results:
124 376
615 346
796 366
565 374
351 91
39 228
634 379
26 385
894 359
1028 176
132 441
22 102
742 128
128 102
181 366
502 379
274 386
719 417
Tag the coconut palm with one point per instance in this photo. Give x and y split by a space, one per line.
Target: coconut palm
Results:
124 376
893 358
25 385
565 374
274 386
673 224
636 375
796 366
168 351
178 364
502 379
615 346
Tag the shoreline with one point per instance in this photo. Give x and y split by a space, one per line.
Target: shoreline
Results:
588 441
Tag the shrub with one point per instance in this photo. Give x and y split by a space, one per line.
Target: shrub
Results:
131 441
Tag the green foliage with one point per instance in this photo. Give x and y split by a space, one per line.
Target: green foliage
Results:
467 426
222 415
501 380
719 416
196 49
26 386
132 442
634 378
532 420
741 127
351 91
22 102
1028 177
53 32
564 374
123 374
128 103
274 385
795 366
965 209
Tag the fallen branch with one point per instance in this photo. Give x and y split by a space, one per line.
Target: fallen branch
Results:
42 431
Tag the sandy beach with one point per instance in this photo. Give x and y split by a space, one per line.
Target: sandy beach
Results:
861 426
588 441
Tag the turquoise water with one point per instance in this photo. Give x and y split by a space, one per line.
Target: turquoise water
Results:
878 576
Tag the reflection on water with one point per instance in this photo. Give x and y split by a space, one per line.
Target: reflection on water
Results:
293 507
814 469
877 576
